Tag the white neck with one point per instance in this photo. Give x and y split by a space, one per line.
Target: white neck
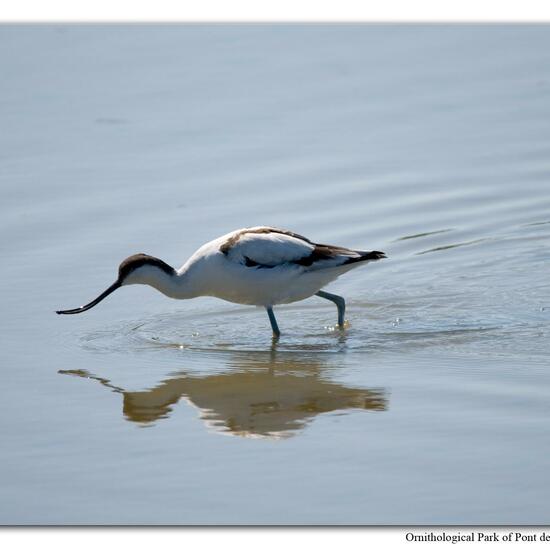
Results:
174 286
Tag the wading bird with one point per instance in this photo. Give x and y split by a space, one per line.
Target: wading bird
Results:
260 266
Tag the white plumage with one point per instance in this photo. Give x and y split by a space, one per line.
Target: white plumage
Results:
261 266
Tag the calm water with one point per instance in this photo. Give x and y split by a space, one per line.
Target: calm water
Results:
430 143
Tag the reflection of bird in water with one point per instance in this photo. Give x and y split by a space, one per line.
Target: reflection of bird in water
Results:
261 266
258 398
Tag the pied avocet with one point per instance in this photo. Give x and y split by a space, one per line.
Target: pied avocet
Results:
260 266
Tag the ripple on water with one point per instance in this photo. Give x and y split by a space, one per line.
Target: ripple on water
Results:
305 329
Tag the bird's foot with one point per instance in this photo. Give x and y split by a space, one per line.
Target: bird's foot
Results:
339 327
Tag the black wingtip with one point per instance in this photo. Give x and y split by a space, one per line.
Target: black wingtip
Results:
374 255
367 257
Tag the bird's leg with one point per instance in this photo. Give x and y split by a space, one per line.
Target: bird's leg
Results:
340 304
273 321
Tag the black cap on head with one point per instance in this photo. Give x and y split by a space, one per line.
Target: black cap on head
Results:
138 260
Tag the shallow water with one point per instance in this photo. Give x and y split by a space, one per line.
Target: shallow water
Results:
428 142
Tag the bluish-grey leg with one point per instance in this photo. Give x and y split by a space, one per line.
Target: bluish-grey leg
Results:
273 321
340 304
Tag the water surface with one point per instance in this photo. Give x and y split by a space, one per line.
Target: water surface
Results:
431 143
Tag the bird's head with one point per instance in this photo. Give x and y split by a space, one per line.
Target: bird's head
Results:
142 269
139 269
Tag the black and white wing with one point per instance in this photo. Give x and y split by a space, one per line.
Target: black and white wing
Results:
266 247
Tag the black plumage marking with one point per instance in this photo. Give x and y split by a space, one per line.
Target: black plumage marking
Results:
328 252
321 252
251 263
367 256
138 260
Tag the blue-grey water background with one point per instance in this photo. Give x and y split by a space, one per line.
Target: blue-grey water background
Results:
431 143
